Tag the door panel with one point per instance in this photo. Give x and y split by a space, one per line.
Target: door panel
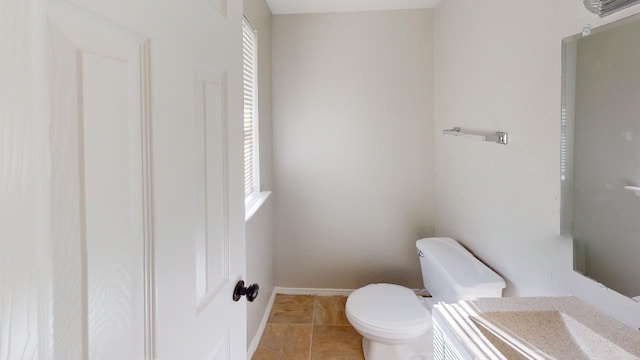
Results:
112 210
212 240
100 212
222 349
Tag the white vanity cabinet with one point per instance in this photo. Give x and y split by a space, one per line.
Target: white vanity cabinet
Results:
454 338
446 346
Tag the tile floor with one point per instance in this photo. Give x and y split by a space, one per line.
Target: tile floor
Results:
304 327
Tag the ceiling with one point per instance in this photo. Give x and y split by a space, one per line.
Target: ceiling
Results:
325 6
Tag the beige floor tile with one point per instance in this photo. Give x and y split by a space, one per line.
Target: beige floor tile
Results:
284 342
329 310
336 343
292 309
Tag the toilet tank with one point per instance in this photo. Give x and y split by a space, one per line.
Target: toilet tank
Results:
451 273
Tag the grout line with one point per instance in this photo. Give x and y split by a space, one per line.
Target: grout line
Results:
313 311
310 342
313 324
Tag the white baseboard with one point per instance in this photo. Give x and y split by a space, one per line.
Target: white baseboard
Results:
309 291
330 292
263 324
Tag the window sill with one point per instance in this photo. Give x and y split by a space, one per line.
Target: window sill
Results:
253 203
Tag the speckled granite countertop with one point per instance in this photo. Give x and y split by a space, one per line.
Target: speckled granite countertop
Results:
539 328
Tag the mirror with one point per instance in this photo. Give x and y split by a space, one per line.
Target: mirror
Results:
600 153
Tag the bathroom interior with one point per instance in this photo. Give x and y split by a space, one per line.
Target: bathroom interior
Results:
359 167
381 123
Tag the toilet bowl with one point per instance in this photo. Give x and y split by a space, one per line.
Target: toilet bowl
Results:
390 318
395 323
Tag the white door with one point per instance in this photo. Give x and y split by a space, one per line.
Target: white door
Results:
121 183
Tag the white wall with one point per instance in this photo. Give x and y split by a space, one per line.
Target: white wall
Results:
498 67
259 229
353 147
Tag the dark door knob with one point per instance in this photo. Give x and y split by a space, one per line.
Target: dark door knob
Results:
251 292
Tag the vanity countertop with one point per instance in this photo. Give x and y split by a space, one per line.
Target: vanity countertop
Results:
539 328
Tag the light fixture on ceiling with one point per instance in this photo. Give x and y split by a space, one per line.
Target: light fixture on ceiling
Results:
606 7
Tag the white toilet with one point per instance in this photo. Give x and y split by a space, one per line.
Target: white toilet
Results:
396 324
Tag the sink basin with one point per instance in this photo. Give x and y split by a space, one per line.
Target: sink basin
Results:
545 335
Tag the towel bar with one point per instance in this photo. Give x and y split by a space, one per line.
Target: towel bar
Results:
498 137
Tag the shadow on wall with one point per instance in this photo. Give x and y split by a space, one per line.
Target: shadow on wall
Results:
394 275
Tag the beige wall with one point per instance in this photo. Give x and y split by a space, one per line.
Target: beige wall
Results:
353 147
259 228
498 67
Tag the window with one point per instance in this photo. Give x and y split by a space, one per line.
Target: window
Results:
250 81
253 197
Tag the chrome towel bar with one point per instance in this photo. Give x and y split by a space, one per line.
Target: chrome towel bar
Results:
497 137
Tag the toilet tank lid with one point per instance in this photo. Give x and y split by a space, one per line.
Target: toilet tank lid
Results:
459 265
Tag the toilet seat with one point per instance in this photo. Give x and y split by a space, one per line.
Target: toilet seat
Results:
388 311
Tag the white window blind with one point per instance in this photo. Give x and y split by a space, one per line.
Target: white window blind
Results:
250 81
